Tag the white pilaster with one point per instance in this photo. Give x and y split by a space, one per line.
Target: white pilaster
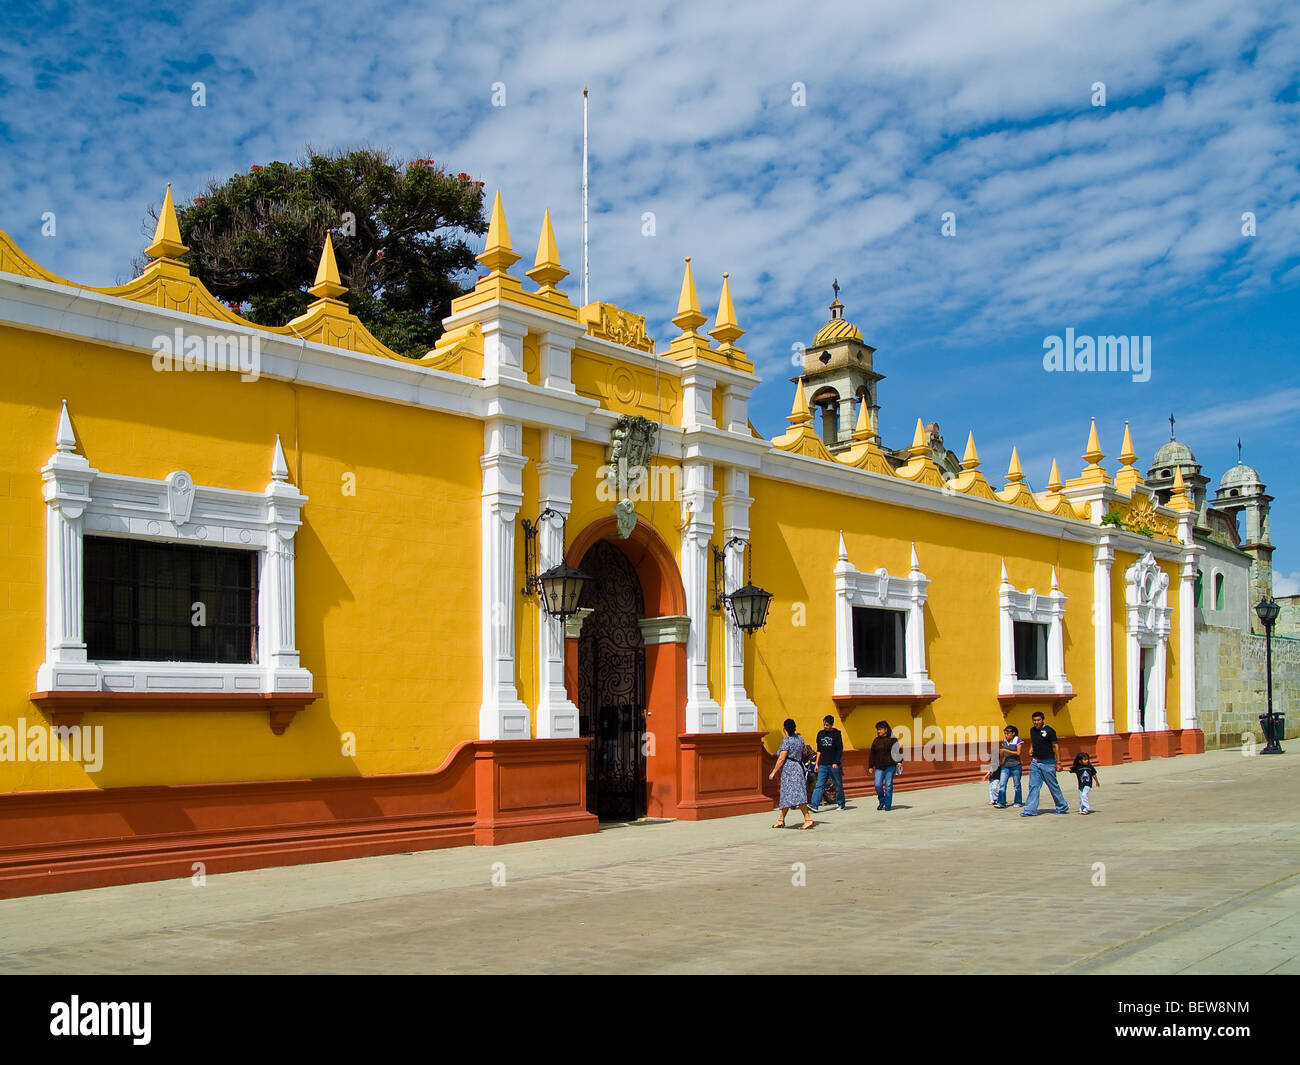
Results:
67 478
697 399
739 714
703 714
555 358
278 652
557 716
1187 710
503 350
1103 556
502 716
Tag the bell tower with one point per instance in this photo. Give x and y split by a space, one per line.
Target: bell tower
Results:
838 377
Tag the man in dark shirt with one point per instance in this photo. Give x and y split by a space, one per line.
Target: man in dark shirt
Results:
829 762
1042 770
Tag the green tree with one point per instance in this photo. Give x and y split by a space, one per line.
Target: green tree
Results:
398 228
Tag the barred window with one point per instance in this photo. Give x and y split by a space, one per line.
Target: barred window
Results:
1031 650
879 642
164 602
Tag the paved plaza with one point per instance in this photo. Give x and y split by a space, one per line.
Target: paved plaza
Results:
1199 858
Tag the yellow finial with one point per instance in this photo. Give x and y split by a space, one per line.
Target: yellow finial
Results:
167 234
1127 456
1093 454
863 430
1054 482
799 414
920 444
727 330
688 318
547 271
328 286
498 256
1015 475
1178 498
970 460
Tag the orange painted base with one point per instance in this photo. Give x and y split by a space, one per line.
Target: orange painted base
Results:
1139 746
1111 750
1163 744
1191 741
721 775
530 789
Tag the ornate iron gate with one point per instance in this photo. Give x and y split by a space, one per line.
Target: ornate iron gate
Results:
611 685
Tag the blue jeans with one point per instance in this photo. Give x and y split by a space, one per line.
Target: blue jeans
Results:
836 773
885 787
1044 772
1010 771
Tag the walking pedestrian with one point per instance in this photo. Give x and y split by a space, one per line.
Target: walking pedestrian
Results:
1086 774
829 762
794 786
1042 769
1011 766
886 759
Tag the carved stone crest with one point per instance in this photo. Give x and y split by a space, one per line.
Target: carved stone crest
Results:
631 446
180 497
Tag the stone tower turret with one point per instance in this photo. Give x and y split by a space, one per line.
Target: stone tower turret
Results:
1241 490
838 376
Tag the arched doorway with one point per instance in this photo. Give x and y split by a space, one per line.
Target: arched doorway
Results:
612 685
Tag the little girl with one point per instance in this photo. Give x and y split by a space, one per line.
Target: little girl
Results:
1086 773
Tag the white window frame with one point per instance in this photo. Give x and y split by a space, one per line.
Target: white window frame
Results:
81 499
1049 610
880 591
1147 623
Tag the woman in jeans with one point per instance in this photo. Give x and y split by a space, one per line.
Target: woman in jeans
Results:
1011 766
886 759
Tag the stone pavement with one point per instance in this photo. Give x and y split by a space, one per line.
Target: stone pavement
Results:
1200 858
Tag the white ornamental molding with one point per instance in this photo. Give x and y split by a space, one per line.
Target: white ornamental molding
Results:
1029 606
880 590
82 500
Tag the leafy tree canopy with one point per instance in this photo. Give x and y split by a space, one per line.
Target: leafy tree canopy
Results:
398 228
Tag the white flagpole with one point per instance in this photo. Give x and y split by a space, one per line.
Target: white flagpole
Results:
586 292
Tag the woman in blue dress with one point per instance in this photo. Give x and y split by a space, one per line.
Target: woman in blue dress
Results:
794 780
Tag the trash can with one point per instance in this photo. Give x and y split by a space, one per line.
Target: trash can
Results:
1278 727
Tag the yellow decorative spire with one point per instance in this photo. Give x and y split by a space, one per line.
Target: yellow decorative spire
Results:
1093 454
1127 478
328 286
1178 498
863 430
167 234
970 460
920 444
799 413
1093 474
689 317
498 256
727 330
1054 482
1015 475
546 271
1127 456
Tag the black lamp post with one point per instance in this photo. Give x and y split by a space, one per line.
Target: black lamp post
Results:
560 587
749 605
1267 610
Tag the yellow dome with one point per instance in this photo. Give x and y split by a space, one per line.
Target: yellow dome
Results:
836 329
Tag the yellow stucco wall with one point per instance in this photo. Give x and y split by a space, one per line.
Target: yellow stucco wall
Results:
387 579
791 665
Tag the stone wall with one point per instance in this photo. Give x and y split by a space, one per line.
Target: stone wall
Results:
1230 684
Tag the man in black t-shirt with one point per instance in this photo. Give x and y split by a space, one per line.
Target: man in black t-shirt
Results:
1042 770
829 762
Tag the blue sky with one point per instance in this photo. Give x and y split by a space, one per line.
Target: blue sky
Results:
1115 219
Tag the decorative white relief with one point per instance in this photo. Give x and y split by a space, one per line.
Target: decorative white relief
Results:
80 498
739 712
880 590
703 714
1036 609
1147 624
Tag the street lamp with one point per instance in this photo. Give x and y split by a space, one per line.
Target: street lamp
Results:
560 587
749 605
1267 610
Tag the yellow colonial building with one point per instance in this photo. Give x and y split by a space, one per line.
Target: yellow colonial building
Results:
272 593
